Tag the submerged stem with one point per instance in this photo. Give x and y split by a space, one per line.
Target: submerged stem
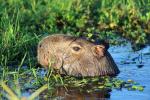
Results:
9 91
37 92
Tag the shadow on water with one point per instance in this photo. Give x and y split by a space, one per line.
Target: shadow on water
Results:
74 94
133 65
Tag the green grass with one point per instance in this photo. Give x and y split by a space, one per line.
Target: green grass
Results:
24 22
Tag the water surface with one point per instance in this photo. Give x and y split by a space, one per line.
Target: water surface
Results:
133 66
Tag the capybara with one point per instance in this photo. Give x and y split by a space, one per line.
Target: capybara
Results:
75 56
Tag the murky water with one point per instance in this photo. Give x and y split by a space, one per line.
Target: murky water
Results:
133 65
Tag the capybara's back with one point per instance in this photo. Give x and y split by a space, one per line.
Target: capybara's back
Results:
75 56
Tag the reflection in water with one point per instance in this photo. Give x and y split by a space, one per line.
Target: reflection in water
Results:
76 94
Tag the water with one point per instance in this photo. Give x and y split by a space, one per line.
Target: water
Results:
133 65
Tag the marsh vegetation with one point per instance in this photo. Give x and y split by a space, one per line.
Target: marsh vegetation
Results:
23 23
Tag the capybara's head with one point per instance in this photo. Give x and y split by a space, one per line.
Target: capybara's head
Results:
75 56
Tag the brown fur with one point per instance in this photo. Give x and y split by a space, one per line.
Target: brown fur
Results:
75 56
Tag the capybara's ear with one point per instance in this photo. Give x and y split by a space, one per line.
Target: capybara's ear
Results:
98 50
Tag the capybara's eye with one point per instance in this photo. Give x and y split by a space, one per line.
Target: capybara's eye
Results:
76 48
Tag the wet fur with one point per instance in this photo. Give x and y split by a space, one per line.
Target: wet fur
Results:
56 51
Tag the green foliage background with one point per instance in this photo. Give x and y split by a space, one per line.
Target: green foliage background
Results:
24 22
